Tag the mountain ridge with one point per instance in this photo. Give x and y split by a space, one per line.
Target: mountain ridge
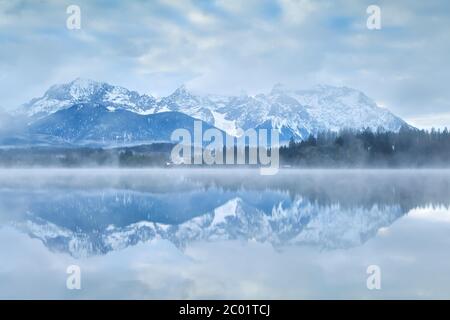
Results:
294 113
96 124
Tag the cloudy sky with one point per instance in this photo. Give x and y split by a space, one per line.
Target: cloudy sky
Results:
233 46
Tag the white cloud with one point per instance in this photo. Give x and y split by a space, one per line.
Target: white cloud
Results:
227 46
297 11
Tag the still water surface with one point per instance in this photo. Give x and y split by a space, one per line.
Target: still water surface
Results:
224 233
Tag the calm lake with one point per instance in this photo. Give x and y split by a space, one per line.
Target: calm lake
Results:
207 234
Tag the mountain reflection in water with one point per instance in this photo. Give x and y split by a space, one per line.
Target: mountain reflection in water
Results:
92 212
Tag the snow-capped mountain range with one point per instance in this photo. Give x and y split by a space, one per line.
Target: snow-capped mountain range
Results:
295 113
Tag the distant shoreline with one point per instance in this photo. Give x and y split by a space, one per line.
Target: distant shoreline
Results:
6 170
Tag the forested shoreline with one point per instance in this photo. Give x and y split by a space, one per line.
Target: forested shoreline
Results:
408 148
348 148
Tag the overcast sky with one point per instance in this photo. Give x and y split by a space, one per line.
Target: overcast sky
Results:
231 46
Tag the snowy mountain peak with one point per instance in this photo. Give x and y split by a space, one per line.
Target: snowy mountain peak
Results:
85 84
81 90
184 95
85 89
279 88
181 91
77 89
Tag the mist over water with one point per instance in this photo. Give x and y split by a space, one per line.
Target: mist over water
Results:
211 233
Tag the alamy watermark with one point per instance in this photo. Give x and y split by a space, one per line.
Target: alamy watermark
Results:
73 21
374 20
214 147
373 281
73 281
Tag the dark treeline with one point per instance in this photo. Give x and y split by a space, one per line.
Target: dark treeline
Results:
154 155
348 148
408 148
